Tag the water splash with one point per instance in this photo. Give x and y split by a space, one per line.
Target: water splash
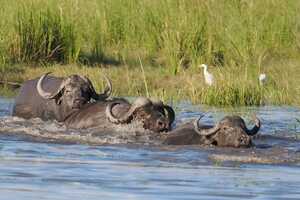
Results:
52 131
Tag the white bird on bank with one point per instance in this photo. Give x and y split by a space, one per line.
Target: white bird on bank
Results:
262 79
209 78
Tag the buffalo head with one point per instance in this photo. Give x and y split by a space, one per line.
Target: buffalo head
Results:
74 91
230 131
154 115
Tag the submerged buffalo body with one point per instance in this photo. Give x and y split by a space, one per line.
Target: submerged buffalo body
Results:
231 131
56 98
154 116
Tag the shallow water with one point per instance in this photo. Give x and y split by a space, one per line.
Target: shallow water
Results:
30 169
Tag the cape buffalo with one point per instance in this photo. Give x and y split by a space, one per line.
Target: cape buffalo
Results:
231 131
153 115
50 97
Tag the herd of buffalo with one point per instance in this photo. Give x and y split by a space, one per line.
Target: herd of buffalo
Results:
74 102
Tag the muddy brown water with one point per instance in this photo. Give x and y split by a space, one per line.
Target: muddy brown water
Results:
43 160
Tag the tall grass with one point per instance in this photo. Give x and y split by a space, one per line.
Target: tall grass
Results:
242 38
44 36
182 33
173 33
230 89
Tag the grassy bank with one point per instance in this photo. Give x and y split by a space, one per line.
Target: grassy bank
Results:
233 86
170 38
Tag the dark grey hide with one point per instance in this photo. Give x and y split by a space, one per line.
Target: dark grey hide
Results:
153 115
55 98
231 131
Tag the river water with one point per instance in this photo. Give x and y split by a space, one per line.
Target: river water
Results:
47 169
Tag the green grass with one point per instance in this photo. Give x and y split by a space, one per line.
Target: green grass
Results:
170 37
169 33
7 92
44 36
234 86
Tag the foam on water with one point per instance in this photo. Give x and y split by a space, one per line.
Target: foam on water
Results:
52 131
279 149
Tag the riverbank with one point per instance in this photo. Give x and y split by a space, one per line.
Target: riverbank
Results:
233 86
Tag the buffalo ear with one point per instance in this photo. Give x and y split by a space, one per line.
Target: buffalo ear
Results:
58 101
212 139
58 97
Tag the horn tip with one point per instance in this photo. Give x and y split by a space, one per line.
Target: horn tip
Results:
256 119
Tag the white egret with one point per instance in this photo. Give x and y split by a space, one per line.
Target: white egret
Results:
262 79
209 78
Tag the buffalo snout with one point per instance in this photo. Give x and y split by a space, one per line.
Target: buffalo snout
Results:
162 125
232 137
78 102
244 141
156 123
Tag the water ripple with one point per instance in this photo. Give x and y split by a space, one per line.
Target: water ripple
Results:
35 169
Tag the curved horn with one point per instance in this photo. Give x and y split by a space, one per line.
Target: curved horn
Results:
171 114
139 102
205 132
42 92
109 113
107 91
256 127
156 102
159 105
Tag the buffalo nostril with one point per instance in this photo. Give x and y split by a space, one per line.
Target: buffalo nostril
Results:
244 140
161 124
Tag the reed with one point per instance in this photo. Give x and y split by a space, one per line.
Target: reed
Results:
174 34
169 37
231 87
44 36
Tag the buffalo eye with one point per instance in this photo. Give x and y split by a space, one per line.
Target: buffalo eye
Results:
145 115
67 91
85 89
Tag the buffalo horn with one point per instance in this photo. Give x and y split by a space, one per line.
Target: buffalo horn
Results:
202 131
139 102
107 92
171 114
43 93
256 127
